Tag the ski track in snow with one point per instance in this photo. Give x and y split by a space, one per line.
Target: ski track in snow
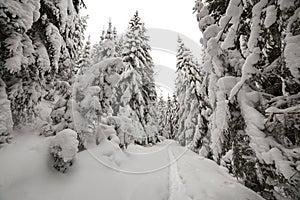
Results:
177 189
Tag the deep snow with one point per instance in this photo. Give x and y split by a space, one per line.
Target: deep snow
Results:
105 172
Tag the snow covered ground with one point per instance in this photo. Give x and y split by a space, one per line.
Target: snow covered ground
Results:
163 172
177 190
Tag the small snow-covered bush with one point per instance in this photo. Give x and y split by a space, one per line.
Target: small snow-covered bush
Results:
63 149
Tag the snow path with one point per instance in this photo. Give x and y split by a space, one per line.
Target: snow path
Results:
177 189
25 167
147 173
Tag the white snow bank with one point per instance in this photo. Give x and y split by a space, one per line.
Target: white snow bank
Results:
25 168
204 179
105 172
176 187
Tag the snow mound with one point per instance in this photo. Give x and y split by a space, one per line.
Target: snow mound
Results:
67 141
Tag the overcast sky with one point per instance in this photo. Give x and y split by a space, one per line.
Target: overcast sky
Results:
175 15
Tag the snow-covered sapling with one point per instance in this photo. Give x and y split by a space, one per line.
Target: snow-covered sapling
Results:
63 149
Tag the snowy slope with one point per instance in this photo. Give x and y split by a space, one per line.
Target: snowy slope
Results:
108 173
205 180
177 189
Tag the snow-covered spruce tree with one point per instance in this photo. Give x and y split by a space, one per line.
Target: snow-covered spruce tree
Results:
92 100
86 106
119 44
36 37
106 47
95 52
61 116
192 127
136 87
162 114
246 77
109 43
67 63
84 60
181 90
171 118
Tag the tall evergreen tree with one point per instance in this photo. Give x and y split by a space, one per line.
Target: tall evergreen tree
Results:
84 61
162 114
249 82
192 127
106 47
174 117
137 88
84 106
171 118
119 44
